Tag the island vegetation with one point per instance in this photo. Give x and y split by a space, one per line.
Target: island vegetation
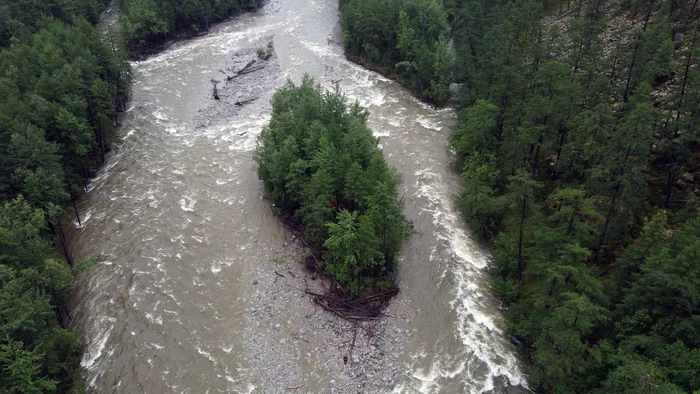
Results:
577 138
322 168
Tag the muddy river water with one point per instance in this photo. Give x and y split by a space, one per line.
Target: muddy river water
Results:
179 214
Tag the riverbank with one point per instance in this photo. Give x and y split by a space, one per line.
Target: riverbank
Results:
286 331
188 296
146 49
336 38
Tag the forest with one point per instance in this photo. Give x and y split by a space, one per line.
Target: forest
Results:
405 39
61 83
144 22
322 166
577 139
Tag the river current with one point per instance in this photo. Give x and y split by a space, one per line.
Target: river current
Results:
180 216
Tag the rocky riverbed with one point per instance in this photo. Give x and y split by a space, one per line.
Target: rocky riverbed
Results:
285 328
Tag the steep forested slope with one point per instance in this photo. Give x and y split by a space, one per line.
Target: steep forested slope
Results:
578 142
61 82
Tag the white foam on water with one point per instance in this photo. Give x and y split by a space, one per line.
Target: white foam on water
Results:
157 319
482 339
187 203
96 346
84 217
226 349
159 115
428 124
206 354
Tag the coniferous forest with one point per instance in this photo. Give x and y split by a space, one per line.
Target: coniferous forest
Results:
152 21
321 164
577 139
61 83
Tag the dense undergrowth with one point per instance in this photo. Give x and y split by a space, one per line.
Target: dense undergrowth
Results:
578 142
320 163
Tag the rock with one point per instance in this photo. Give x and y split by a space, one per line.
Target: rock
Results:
277 327
678 39
255 282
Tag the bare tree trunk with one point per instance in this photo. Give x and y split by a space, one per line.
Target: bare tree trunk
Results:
629 73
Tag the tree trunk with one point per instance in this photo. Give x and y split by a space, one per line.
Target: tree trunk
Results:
64 244
520 240
669 186
685 76
611 211
629 73
75 208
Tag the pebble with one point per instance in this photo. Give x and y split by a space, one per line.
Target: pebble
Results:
372 367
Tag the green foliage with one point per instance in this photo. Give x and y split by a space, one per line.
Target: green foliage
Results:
87 263
21 370
153 20
61 82
585 182
35 355
265 52
320 162
407 38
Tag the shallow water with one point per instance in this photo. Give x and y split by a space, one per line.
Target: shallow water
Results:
179 214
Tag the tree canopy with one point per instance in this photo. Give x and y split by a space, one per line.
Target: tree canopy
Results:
580 166
61 83
320 163
144 21
404 38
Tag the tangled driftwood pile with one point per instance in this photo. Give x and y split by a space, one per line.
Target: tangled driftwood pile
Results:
353 308
335 299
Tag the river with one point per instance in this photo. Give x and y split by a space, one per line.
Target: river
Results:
179 214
